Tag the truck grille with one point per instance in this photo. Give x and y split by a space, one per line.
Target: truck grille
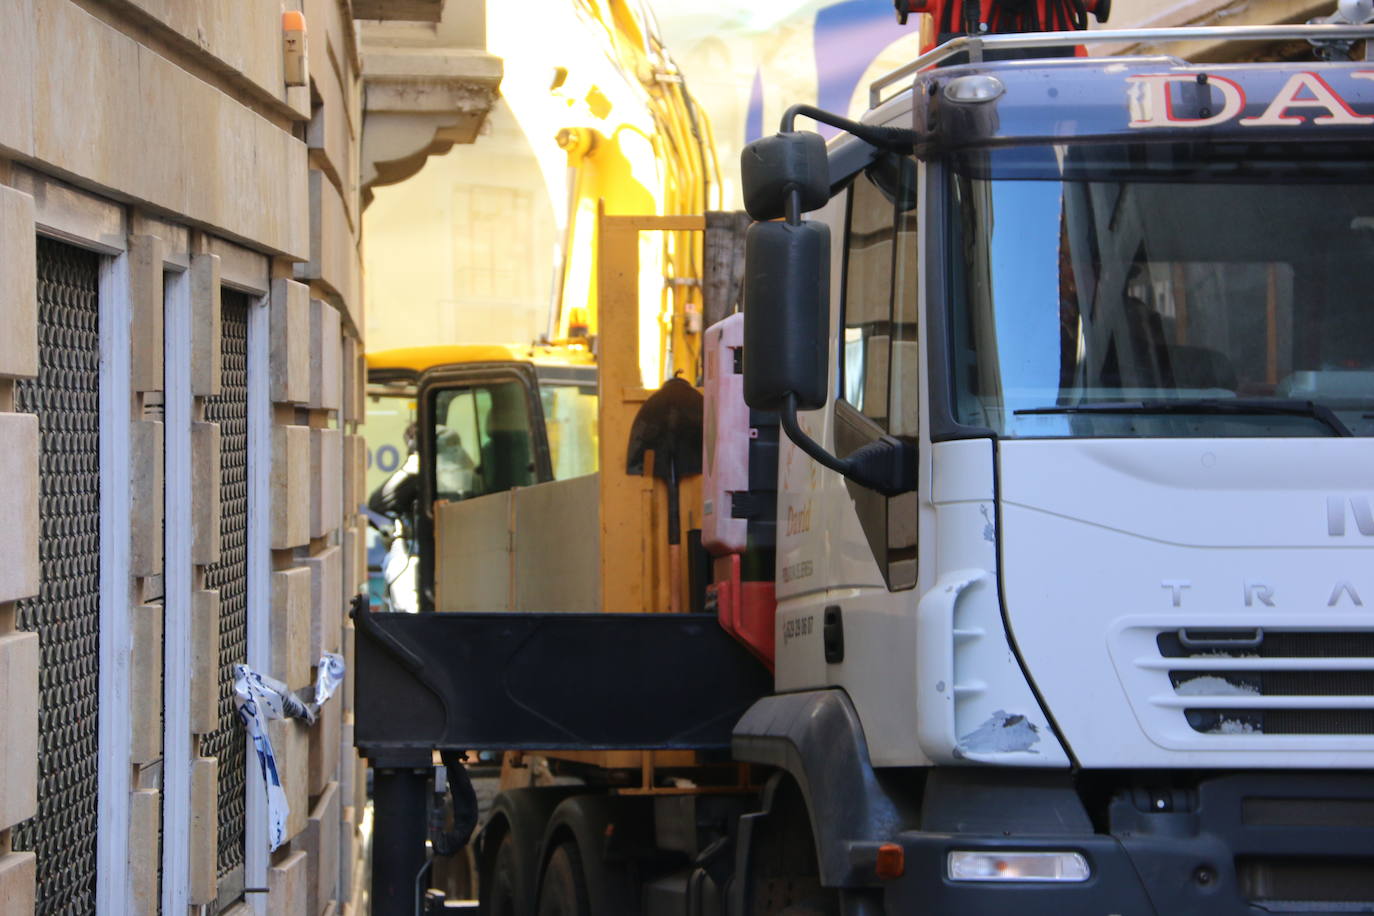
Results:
1300 883
1252 681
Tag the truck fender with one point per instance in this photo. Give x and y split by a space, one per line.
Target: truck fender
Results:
817 739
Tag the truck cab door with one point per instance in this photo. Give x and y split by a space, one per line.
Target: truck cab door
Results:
481 431
879 375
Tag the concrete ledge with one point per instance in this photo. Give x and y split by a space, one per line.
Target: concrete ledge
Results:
18 52
206 508
291 745
350 637
18 728
326 601
203 836
348 852
418 102
334 258
286 886
346 773
354 475
290 486
326 356
19 573
320 841
354 380
204 686
324 746
145 675
290 349
147 255
206 357
146 497
18 877
18 283
145 815
291 662
406 10
331 138
83 114
327 481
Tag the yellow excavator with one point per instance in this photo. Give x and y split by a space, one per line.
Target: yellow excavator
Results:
635 142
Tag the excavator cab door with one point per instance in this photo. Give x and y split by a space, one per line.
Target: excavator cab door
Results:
481 431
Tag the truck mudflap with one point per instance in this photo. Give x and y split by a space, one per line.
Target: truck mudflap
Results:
512 681
1238 844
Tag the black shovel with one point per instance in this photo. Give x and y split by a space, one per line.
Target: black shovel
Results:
669 425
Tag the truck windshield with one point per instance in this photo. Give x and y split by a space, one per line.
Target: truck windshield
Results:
1163 290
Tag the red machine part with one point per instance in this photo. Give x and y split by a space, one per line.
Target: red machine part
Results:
746 607
746 610
1003 16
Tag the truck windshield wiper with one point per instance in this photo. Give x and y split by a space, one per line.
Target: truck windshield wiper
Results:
1221 406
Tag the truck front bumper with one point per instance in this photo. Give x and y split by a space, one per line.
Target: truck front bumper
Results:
1239 845
1113 886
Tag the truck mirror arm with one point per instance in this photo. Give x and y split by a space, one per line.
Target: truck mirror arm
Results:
886 465
897 139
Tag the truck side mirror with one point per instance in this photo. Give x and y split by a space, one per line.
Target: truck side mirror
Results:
787 304
786 314
787 271
773 168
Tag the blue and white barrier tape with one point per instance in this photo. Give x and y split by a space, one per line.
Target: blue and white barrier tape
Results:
259 700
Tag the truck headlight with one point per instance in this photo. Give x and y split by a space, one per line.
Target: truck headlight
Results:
991 865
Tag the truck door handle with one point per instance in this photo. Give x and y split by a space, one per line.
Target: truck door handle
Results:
832 635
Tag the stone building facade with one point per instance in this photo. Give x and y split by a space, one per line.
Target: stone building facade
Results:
180 388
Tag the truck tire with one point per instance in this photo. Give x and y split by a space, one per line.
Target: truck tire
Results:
506 882
508 850
563 892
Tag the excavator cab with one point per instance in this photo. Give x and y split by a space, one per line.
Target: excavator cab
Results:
486 420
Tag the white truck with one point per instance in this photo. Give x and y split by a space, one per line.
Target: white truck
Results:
1074 517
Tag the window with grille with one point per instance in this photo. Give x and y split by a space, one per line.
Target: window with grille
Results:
230 576
66 612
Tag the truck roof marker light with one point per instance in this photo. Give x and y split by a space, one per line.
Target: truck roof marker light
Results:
994 865
976 87
891 862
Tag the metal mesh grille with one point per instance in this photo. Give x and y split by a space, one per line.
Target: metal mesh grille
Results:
230 575
1226 663
66 612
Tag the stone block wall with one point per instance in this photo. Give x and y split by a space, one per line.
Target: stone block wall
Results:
222 207
19 575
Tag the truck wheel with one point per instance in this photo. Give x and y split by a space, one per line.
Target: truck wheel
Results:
505 881
564 889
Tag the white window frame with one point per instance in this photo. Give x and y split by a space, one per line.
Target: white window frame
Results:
259 547
114 716
178 750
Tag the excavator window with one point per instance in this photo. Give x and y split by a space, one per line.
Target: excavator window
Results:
482 440
570 423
